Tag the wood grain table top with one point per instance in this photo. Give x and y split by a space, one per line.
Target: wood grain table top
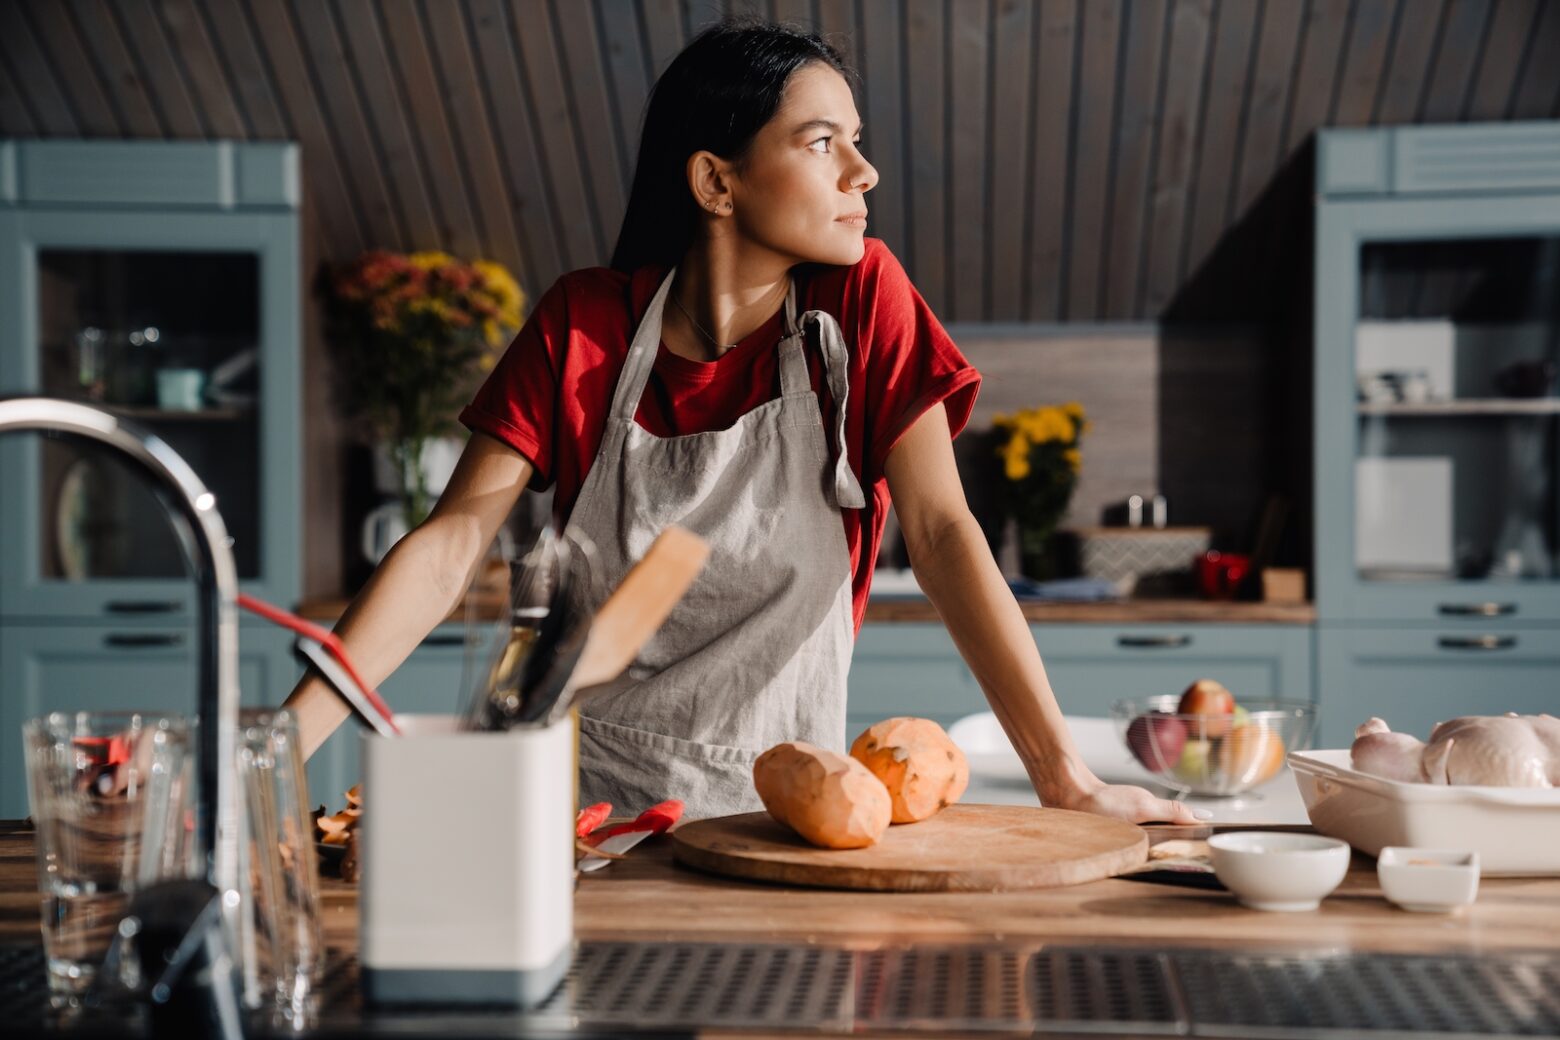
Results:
649 897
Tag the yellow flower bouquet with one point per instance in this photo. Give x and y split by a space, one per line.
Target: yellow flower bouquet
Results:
1041 461
412 334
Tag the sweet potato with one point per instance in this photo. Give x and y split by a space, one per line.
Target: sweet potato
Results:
924 771
830 800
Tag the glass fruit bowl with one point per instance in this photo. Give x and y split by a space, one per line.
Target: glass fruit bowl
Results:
1213 753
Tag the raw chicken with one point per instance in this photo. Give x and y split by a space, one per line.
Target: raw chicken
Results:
1396 756
1493 750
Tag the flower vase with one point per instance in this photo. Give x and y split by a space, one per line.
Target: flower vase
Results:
1036 559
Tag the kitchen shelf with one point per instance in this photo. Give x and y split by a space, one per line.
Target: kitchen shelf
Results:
1472 406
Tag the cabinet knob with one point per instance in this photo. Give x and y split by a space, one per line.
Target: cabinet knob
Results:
1478 609
1478 642
1154 642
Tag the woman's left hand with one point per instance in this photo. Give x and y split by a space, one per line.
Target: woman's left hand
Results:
1133 804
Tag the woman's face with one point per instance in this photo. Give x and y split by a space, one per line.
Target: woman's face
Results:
800 192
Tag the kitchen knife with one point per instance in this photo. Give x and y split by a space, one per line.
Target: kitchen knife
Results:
619 839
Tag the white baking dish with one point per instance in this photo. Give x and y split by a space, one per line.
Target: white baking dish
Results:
1515 830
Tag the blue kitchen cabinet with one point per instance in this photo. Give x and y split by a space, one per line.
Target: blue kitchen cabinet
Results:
910 668
1437 426
1091 666
121 667
162 282
1416 677
431 681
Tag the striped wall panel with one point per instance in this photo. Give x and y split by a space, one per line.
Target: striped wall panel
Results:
1041 160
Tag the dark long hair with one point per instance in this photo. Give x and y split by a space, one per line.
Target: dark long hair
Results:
714 96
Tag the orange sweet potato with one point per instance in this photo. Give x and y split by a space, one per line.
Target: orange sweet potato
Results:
923 770
827 798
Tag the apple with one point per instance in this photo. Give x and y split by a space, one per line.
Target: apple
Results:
1242 717
1208 698
1156 740
1196 759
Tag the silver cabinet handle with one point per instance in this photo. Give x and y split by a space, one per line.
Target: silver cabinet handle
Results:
1478 642
1478 609
142 606
1154 642
130 640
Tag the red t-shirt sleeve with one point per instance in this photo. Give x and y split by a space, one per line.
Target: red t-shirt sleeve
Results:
517 403
911 362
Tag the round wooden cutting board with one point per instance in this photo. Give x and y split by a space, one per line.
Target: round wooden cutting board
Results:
964 848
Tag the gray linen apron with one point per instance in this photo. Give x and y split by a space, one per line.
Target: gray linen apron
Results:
757 652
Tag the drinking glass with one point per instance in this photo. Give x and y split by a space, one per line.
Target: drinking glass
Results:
108 793
279 930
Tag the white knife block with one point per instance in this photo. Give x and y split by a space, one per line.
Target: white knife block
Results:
467 892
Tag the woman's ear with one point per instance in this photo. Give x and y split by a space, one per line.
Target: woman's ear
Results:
709 178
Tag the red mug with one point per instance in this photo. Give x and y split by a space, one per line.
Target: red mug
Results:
1220 573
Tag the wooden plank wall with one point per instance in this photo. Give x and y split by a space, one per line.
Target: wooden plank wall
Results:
1041 160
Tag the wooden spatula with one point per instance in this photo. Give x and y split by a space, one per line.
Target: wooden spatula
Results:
606 644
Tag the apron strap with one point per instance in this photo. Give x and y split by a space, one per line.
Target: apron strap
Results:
847 489
641 355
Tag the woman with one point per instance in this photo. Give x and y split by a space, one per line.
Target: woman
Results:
755 369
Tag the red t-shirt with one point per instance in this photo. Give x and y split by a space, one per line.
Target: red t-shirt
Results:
549 395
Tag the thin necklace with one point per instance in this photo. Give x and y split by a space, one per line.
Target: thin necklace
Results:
720 347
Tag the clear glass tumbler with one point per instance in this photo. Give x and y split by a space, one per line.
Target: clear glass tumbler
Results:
280 946
108 793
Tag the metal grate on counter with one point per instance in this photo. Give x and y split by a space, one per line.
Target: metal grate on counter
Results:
944 989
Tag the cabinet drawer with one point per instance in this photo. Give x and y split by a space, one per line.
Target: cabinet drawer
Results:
91 668
915 669
1414 678
1091 666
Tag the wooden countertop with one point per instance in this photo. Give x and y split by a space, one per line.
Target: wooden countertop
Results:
647 896
894 609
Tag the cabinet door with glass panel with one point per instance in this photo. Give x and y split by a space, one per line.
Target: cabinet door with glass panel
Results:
183 321
1438 339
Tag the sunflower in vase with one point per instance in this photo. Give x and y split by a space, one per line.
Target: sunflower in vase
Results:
1041 461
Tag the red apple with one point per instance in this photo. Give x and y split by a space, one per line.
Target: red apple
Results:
1156 740
1209 699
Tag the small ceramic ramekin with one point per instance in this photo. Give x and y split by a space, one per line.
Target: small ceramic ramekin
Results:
1428 880
1279 870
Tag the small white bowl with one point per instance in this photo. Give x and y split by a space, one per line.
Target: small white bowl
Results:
1278 870
1428 880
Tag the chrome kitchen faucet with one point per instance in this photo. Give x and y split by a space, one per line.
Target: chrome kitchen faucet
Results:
169 914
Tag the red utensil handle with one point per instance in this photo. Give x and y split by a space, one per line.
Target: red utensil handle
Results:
276 615
591 817
657 818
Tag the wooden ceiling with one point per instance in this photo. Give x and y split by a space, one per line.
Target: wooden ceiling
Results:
1048 161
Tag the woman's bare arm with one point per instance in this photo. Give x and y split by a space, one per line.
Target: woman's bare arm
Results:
420 581
955 568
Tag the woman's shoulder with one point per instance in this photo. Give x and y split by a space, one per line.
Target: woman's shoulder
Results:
877 265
